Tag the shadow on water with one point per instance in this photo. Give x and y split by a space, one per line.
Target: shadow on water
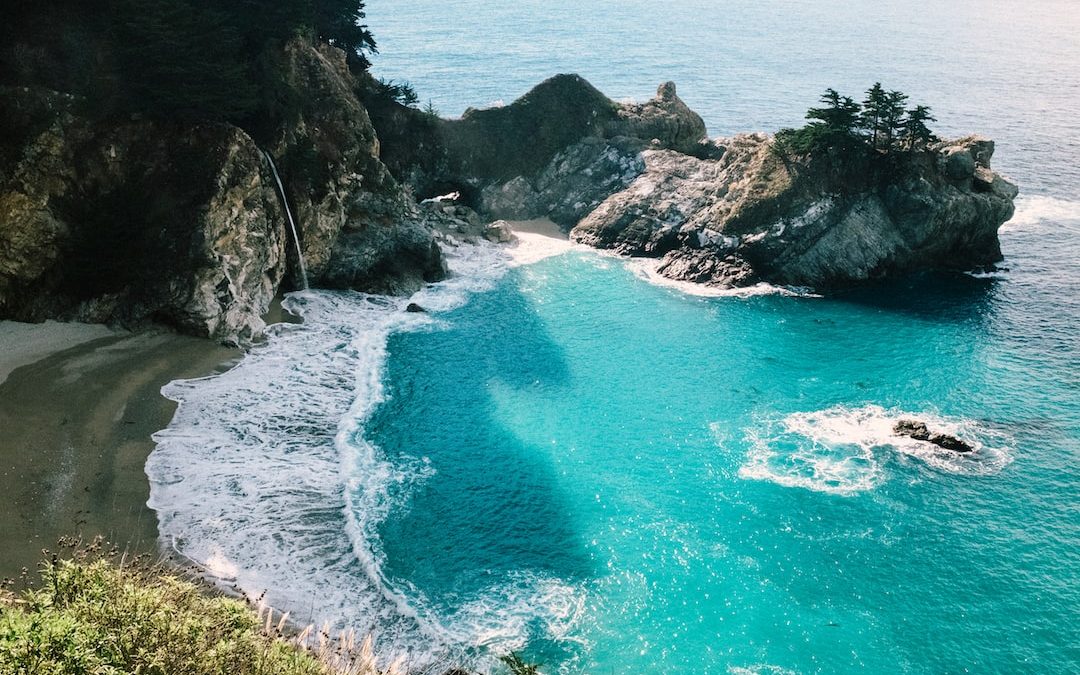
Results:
491 510
929 296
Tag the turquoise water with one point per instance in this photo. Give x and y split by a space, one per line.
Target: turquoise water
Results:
612 476
584 425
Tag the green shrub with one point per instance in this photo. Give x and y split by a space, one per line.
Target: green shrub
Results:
92 616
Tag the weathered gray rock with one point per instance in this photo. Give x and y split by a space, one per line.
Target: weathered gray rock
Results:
359 228
556 152
498 232
130 221
749 216
664 119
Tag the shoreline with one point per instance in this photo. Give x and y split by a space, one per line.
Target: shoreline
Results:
77 408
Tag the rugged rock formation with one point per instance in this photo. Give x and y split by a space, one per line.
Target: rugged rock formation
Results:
643 180
920 432
753 216
558 151
128 220
135 220
359 228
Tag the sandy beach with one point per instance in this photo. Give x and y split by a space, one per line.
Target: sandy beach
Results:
78 404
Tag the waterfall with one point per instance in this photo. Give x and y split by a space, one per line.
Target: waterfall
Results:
292 223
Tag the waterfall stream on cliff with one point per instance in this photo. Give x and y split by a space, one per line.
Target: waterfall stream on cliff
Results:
292 222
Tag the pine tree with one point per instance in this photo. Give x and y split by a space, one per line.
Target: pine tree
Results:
892 119
871 116
916 132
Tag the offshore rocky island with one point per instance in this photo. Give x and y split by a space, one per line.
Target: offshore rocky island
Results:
129 219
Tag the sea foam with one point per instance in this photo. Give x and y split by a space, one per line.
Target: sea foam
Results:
646 269
1034 210
845 450
265 481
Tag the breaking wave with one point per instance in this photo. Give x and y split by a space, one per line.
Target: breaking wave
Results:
646 269
844 450
1036 209
265 481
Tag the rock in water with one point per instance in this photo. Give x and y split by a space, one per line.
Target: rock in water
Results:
751 216
643 180
920 432
414 308
916 430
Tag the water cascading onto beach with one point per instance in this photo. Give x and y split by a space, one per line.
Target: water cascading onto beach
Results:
292 222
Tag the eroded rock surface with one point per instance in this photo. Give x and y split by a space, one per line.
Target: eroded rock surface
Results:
136 220
750 216
130 220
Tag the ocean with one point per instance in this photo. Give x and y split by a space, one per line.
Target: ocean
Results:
606 474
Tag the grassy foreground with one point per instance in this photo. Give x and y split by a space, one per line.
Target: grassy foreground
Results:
95 616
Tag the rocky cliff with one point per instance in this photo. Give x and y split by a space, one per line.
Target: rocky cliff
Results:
752 215
643 180
128 220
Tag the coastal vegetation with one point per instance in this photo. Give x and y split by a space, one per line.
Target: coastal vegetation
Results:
94 612
173 59
880 125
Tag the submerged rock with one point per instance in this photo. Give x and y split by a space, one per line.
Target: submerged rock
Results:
920 432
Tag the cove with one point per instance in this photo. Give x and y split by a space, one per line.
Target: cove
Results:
624 478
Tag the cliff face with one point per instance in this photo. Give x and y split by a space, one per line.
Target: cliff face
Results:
359 228
122 222
558 151
748 216
642 179
128 220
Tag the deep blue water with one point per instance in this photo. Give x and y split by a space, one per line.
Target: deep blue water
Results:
612 476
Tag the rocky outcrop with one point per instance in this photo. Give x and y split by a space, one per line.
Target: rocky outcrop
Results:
751 215
558 151
131 220
358 227
135 220
920 432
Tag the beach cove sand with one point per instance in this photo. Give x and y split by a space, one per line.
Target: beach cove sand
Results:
78 403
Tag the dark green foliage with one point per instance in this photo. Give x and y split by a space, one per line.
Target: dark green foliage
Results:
182 59
833 128
845 130
916 133
204 59
402 92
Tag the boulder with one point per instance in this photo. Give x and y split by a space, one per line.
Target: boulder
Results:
920 432
498 232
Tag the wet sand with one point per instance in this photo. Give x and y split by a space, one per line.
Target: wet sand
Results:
76 413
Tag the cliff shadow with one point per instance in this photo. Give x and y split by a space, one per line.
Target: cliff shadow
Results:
940 297
491 512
